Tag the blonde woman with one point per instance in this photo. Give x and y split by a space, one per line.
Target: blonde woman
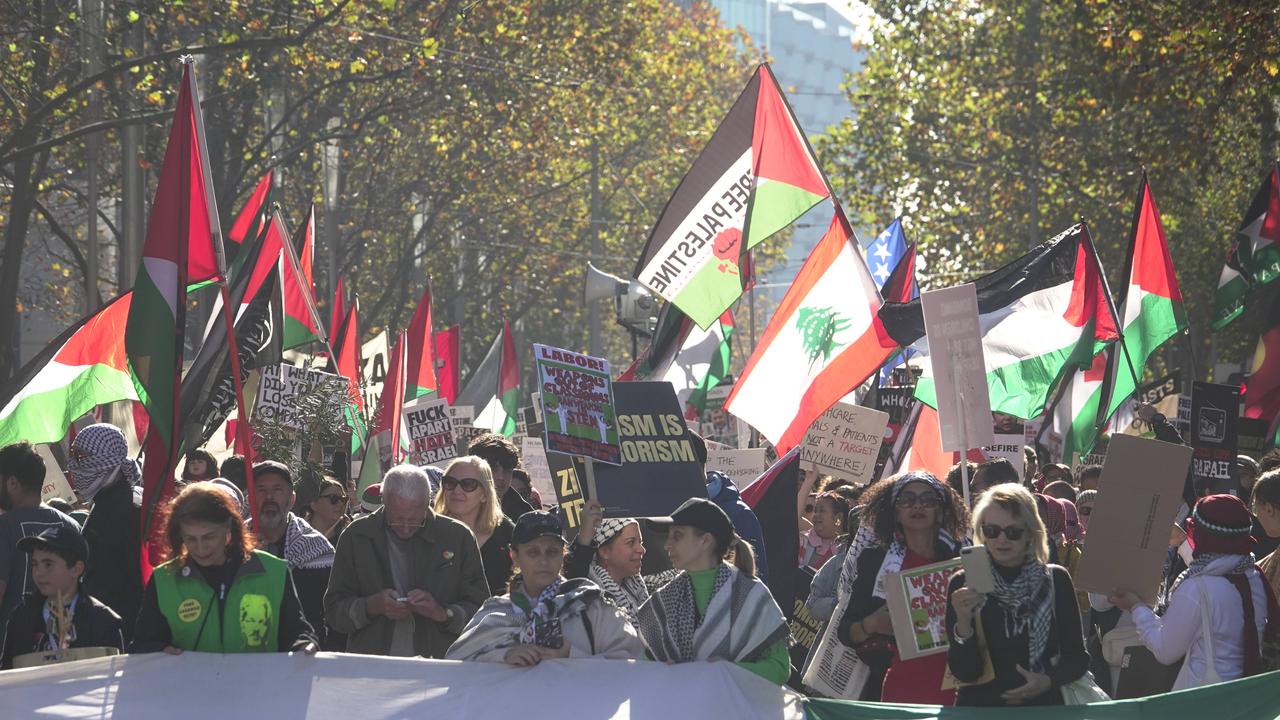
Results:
467 494
1030 622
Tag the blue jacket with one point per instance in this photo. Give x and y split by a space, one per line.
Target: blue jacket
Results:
722 491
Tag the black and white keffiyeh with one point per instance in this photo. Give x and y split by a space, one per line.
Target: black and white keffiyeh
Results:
1027 605
304 546
1210 564
98 457
630 592
742 622
502 623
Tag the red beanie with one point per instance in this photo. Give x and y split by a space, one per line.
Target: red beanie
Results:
1220 524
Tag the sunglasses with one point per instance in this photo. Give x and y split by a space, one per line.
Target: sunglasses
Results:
468 485
1013 532
334 499
925 499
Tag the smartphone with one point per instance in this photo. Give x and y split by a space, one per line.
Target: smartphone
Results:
977 569
403 600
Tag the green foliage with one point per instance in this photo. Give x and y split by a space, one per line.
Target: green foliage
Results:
322 406
991 125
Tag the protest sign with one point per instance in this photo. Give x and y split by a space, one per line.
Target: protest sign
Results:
430 431
1215 411
659 469
280 386
1138 496
567 488
462 414
1253 436
805 628
1009 447
917 600
55 482
576 393
845 441
373 366
742 467
533 458
464 434
959 368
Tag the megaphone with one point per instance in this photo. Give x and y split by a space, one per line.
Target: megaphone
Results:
600 285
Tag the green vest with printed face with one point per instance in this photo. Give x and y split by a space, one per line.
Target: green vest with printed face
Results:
252 622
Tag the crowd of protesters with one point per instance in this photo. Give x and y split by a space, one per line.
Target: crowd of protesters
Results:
463 562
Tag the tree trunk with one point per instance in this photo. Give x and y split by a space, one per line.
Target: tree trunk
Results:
15 240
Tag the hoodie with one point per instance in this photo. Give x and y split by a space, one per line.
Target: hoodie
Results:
722 491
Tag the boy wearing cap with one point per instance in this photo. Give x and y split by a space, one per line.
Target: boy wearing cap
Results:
62 615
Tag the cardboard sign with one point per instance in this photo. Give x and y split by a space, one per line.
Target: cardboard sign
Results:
845 441
1009 447
462 414
279 386
55 482
659 469
743 467
1138 496
430 431
576 392
959 367
533 458
917 601
1215 411
567 487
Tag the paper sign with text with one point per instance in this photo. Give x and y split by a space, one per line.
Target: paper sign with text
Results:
743 467
462 414
845 441
55 482
917 600
959 366
1009 447
533 458
280 385
426 421
576 392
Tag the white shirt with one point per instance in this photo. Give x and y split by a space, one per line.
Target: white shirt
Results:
1178 632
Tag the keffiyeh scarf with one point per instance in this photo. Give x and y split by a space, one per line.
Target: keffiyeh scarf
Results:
304 546
631 592
1027 605
99 456
506 621
541 626
1207 564
742 622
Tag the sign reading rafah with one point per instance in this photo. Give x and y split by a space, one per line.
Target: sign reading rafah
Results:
845 441
577 402
430 430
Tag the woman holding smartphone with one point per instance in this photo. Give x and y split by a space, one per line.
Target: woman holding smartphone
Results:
1030 621
908 521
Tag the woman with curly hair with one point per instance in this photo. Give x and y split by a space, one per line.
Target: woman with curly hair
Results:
909 521
218 594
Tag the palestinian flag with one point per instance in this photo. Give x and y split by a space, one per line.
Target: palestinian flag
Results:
338 312
346 356
255 212
773 499
1151 311
383 449
420 361
494 387
1043 314
182 243
755 176
1262 392
693 360
448 362
301 320
820 344
1076 416
82 368
1254 258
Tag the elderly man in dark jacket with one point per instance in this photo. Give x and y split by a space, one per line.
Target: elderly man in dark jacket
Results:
405 580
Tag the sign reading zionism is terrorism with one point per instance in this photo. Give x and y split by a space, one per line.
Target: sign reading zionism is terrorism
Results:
755 177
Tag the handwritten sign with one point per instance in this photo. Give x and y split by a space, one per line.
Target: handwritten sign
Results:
743 467
280 386
917 601
533 458
845 441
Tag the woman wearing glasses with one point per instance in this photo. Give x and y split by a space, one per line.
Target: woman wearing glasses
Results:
328 512
467 494
1030 623
907 521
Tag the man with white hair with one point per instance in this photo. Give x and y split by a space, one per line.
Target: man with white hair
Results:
405 580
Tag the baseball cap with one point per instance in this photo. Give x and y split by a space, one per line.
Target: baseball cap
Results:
535 524
57 537
271 466
702 514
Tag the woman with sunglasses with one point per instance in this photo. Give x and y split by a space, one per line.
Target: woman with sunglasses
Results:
907 521
328 512
1029 624
467 494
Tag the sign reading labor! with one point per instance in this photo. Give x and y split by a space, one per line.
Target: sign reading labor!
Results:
430 430
576 393
659 469
845 442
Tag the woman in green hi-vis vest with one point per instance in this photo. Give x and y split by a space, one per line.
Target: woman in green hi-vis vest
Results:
218 594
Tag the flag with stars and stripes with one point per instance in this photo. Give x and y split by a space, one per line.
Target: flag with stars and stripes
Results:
884 255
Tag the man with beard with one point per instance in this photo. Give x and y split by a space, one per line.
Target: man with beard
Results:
503 457
21 479
287 536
